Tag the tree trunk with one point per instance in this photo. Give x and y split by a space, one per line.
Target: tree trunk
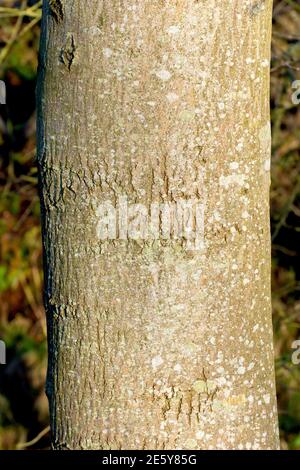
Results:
154 343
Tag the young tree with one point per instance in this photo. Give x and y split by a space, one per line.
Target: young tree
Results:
155 343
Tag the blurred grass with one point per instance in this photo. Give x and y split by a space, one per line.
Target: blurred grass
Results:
23 405
285 214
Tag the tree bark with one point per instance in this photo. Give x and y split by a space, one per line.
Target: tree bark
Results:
153 345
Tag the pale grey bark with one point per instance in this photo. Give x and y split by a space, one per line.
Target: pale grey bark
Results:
152 345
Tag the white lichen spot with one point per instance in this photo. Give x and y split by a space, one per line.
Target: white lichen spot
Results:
221 381
178 368
267 164
232 180
157 361
241 370
240 147
200 435
267 399
172 97
234 165
173 29
217 216
107 52
163 75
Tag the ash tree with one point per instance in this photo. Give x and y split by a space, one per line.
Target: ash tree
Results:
158 339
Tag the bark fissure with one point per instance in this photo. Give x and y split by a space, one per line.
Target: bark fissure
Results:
67 54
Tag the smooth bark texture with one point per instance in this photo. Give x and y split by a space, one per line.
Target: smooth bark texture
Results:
153 345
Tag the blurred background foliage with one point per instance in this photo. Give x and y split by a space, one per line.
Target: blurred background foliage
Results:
23 405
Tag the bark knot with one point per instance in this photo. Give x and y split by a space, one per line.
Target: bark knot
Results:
67 54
